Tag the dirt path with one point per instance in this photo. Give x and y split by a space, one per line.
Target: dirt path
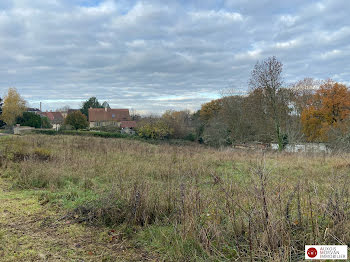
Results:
30 231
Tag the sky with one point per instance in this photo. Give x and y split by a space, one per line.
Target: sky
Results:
156 55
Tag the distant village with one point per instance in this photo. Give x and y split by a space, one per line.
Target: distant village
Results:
97 117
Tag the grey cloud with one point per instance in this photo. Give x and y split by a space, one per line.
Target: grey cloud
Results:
154 55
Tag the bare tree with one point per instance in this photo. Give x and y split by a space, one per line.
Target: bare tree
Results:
63 109
267 77
303 91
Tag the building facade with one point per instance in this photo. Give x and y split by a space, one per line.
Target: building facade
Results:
99 117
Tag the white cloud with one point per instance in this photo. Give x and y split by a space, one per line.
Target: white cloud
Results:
331 54
288 20
216 16
288 44
139 43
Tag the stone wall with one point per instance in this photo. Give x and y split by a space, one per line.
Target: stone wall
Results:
20 130
305 147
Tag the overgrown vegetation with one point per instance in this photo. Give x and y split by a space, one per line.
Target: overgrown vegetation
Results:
77 120
83 133
33 120
189 203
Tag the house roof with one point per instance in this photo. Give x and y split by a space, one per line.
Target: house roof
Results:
129 124
54 117
108 114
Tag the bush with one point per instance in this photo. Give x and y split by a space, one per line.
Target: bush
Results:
77 120
110 128
46 132
42 154
190 137
82 133
157 129
33 120
339 141
216 134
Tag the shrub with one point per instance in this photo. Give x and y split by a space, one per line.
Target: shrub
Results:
216 134
43 154
33 120
157 129
83 133
46 132
77 120
190 137
111 128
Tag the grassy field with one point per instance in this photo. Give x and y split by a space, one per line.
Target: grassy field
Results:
126 200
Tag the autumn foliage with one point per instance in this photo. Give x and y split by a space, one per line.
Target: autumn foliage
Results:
155 129
328 108
14 106
210 109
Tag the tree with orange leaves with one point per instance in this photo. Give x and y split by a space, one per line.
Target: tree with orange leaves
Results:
210 109
328 108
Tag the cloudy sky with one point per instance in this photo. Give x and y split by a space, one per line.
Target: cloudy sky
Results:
155 55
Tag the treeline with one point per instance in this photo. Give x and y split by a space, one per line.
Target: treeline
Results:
307 111
271 111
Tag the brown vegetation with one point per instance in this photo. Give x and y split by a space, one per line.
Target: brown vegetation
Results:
190 203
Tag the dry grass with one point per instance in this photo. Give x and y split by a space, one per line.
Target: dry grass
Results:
30 231
190 203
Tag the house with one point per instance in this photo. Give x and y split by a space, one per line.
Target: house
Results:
56 119
109 117
66 112
127 127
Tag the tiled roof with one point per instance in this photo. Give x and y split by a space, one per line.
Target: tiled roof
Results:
108 114
54 117
130 124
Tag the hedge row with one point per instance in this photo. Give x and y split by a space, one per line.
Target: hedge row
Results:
83 133
178 142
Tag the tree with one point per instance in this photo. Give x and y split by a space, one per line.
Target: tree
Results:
63 109
180 122
267 77
236 115
300 94
329 108
216 133
303 91
14 106
92 102
33 120
210 109
45 122
154 129
77 120
2 123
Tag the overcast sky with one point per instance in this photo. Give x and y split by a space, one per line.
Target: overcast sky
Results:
164 54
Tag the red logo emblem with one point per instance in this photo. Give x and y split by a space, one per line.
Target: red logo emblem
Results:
312 252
